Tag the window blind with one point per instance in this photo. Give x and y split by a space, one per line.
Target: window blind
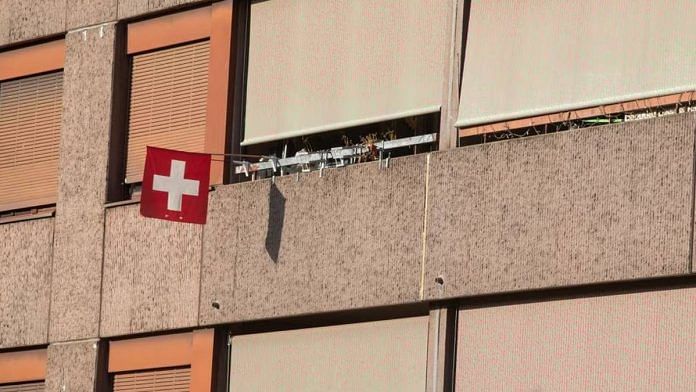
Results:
30 120
322 65
534 57
389 355
169 380
168 98
24 387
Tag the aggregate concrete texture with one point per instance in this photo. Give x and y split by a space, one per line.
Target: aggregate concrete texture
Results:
72 366
348 239
151 273
81 13
83 157
594 205
134 8
25 281
23 20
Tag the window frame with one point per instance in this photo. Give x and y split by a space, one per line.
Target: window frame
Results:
330 320
193 349
23 366
25 62
213 22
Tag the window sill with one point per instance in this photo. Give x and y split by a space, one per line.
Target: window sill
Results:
47 213
134 200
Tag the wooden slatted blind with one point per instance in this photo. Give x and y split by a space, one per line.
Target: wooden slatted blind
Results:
168 100
24 387
30 117
170 380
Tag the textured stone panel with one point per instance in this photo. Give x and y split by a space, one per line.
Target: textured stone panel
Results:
131 8
72 366
631 342
4 22
83 13
593 205
151 273
25 280
30 19
350 239
84 145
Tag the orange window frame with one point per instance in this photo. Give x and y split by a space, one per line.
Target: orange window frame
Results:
194 349
31 60
23 366
28 61
213 22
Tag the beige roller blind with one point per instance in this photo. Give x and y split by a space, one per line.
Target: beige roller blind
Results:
320 65
30 117
23 387
372 356
170 380
169 91
630 342
525 58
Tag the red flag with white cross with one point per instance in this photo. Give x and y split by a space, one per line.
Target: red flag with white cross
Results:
175 185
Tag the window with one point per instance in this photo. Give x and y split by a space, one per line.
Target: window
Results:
178 362
172 380
23 371
385 355
167 102
317 66
549 57
338 75
31 103
178 67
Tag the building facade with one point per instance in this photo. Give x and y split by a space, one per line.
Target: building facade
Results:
542 240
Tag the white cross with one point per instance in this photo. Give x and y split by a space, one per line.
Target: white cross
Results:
175 185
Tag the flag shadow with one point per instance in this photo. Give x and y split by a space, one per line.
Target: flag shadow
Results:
276 218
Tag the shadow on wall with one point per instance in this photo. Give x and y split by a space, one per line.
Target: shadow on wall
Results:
276 218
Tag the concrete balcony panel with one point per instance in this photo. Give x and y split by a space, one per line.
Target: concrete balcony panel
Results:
592 205
151 273
133 8
350 239
25 282
22 20
83 13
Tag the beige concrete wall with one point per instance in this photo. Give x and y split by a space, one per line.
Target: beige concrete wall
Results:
151 273
84 144
22 20
631 342
25 281
81 13
350 239
603 204
594 205
72 366
131 8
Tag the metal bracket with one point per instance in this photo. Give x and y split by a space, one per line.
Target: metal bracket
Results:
335 157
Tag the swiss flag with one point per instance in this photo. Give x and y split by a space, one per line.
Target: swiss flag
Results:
175 185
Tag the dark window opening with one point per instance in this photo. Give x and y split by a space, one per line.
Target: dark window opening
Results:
575 124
